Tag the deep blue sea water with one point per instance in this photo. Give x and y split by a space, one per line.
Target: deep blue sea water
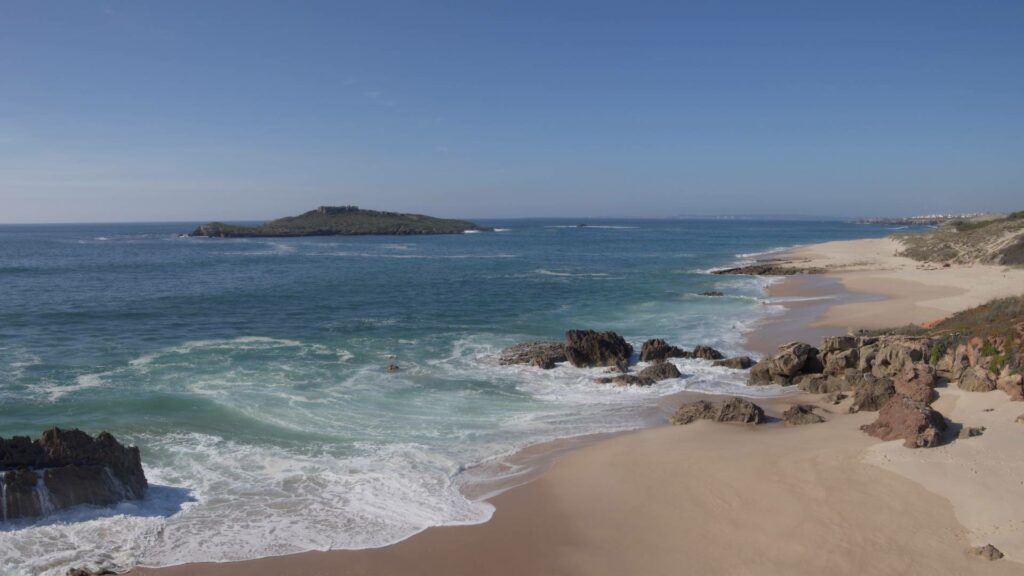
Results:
251 372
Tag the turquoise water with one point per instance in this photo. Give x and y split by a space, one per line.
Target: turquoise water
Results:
251 372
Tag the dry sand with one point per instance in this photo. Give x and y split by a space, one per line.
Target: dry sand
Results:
721 499
915 292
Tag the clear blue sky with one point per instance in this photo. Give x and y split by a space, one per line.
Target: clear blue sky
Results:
175 110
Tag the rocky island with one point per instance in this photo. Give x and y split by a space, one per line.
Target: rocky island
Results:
341 221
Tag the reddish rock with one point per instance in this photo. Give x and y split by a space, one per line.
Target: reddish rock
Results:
915 422
917 382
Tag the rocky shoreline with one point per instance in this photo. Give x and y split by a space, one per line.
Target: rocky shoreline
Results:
65 468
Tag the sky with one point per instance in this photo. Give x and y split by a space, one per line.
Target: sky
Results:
146 110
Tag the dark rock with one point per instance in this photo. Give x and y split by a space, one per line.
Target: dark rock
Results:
800 414
625 380
822 384
88 572
987 552
733 409
736 363
660 371
707 353
915 422
392 368
587 348
72 467
712 293
770 269
970 432
540 354
656 350
871 394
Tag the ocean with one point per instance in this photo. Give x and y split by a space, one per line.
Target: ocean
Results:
251 372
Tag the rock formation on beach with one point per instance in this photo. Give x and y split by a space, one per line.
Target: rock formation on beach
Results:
733 409
801 414
65 468
341 221
895 372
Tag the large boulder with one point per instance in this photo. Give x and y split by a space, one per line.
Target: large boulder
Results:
656 350
586 348
896 354
822 383
733 409
905 418
800 414
977 379
782 367
65 468
917 382
540 354
871 393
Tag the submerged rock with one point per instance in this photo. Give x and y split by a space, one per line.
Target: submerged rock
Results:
915 422
65 468
540 354
587 348
661 371
712 293
736 363
734 409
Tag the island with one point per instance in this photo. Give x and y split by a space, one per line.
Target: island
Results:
341 221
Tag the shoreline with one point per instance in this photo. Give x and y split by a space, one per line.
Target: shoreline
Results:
586 501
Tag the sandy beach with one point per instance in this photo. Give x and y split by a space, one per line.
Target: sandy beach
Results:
723 499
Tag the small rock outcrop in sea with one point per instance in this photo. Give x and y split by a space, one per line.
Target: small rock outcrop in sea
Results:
733 409
713 293
800 414
587 348
341 221
88 572
392 368
656 350
65 468
771 269
904 418
540 354
648 376
987 552
736 363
